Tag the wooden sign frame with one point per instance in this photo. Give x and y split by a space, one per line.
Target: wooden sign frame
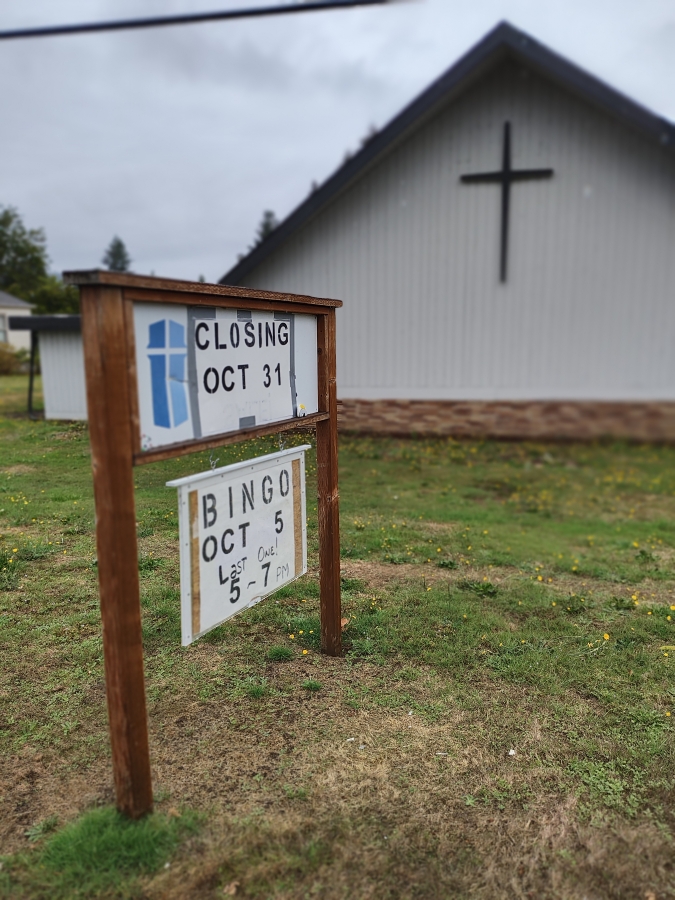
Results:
107 300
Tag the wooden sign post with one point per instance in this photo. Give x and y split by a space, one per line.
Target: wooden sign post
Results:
173 367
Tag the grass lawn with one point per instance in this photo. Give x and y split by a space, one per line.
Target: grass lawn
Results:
500 725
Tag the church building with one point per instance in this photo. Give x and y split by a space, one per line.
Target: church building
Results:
505 251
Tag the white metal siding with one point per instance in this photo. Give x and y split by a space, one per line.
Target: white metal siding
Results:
62 364
588 311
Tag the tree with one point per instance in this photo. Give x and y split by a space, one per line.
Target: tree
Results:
267 225
116 257
23 267
53 296
23 255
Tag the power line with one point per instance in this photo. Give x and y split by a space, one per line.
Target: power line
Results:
185 19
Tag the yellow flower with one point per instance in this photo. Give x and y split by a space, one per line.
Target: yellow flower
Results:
649 612
539 578
668 618
301 632
634 597
606 636
667 713
553 604
304 652
672 607
14 550
292 637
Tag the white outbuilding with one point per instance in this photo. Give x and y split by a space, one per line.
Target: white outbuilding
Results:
59 340
505 251
13 306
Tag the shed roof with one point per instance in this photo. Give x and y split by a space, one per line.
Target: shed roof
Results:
502 43
58 322
8 301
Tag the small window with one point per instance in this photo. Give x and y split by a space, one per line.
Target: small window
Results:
3 328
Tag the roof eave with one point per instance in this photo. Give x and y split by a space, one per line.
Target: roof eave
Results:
8 301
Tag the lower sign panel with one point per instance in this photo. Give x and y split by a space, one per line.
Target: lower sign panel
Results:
242 536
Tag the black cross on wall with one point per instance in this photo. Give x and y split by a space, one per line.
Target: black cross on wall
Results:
505 176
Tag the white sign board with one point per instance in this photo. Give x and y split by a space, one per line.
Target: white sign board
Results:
204 371
243 535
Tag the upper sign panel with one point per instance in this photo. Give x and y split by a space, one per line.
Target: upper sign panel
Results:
203 372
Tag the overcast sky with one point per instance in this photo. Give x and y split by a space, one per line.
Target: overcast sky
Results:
177 139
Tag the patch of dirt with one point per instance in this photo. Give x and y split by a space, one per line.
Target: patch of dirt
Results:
437 527
34 785
644 508
18 470
379 575
65 435
650 593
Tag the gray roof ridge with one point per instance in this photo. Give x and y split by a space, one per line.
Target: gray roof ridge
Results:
502 42
10 301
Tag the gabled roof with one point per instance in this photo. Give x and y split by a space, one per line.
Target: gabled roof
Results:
503 42
7 301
